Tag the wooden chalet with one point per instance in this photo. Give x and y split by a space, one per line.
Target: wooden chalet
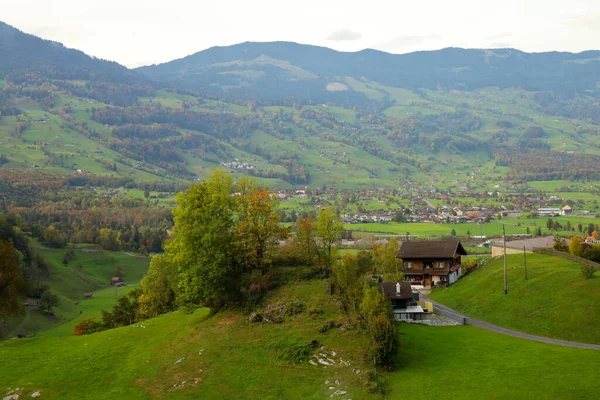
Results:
431 262
116 281
88 295
404 302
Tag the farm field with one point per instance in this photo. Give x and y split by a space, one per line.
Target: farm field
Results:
487 365
555 301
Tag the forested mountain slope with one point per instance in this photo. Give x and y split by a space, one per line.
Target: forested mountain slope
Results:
366 119
278 70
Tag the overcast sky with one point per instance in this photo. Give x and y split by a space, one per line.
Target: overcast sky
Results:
141 32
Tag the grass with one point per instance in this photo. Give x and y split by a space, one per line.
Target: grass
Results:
465 362
222 356
89 271
555 301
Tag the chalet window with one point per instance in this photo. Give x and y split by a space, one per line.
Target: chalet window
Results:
441 265
408 264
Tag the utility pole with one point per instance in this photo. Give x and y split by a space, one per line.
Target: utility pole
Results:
504 241
525 261
481 233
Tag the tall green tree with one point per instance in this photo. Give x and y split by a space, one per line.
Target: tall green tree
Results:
12 284
203 267
157 296
329 230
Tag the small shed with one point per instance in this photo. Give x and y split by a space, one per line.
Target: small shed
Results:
88 295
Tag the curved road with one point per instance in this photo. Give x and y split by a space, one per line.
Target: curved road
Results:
509 332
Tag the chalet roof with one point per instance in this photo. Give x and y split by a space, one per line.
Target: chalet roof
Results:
389 288
430 249
88 294
115 279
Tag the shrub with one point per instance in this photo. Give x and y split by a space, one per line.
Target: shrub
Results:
294 350
87 326
315 311
326 326
295 307
587 271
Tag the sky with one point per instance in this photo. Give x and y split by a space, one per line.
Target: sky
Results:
143 32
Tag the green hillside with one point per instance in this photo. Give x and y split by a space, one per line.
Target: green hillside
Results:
555 301
465 362
192 355
182 355
89 271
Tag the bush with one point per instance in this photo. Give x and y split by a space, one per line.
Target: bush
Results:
87 326
295 307
294 350
315 311
587 271
326 326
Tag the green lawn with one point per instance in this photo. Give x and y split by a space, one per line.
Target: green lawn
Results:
223 356
555 301
465 362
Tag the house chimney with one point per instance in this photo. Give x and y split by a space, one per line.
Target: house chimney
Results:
397 288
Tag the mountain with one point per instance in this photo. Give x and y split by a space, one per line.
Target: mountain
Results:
278 70
20 51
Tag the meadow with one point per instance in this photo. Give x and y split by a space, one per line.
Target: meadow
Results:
89 271
179 356
465 362
555 301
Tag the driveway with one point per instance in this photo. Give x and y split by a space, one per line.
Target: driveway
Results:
509 332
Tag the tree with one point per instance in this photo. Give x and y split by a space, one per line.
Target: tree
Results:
453 232
157 296
203 265
560 244
12 284
576 246
591 228
305 241
348 278
385 261
54 238
377 317
48 301
329 230
257 230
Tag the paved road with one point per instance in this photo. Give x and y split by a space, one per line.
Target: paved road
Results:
509 332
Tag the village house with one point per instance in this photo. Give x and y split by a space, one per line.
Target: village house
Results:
431 262
116 281
88 295
404 301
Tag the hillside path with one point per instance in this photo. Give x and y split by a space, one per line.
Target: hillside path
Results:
510 332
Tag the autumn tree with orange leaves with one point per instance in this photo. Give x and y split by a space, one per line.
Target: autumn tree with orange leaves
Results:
257 231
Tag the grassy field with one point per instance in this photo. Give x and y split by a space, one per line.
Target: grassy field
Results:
193 356
89 271
555 301
465 362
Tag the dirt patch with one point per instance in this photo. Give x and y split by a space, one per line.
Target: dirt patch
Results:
227 320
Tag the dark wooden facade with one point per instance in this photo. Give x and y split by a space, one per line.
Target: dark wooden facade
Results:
428 262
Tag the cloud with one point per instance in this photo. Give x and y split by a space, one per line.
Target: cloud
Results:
344 35
591 22
499 37
409 40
